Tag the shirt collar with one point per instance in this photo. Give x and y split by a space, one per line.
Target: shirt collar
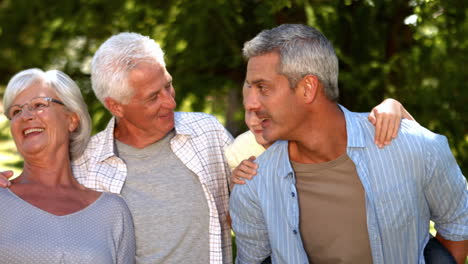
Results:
182 128
354 129
277 155
108 145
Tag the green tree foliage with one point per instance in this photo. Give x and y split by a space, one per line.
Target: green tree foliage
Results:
414 51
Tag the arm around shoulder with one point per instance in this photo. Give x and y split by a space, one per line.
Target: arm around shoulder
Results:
252 241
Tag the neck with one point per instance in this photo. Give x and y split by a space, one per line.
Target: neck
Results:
133 136
322 137
51 171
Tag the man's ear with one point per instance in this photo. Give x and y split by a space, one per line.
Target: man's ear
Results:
309 88
114 107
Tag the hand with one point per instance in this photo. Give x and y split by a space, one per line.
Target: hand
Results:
4 176
386 118
245 170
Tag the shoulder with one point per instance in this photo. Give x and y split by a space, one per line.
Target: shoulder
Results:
5 195
413 129
191 118
408 128
272 164
243 147
4 191
429 141
96 139
115 203
411 134
115 199
269 181
199 124
100 146
95 144
278 152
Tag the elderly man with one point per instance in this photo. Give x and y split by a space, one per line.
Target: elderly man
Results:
328 194
168 166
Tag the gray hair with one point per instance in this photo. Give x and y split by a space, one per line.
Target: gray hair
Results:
115 58
67 91
303 50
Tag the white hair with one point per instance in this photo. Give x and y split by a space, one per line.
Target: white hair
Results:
115 58
67 91
303 50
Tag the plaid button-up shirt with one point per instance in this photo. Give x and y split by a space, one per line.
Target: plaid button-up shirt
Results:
199 143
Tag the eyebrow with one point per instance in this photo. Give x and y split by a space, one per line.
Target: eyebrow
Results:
152 95
256 81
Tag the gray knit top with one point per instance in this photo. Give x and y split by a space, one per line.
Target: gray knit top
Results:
100 233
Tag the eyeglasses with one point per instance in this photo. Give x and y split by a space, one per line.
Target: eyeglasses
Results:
34 105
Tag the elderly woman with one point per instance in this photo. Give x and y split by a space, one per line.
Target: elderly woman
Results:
47 216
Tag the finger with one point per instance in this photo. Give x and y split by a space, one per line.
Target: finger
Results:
251 162
7 174
4 183
396 128
390 131
4 176
235 180
378 131
371 117
248 165
245 173
383 132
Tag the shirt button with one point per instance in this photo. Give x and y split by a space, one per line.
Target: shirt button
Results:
295 231
293 194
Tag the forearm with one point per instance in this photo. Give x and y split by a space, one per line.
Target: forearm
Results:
458 249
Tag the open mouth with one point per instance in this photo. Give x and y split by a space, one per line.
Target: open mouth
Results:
258 131
264 122
32 130
166 115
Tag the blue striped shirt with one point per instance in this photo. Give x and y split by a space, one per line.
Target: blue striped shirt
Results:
412 181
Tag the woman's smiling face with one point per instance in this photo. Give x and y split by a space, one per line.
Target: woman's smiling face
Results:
43 129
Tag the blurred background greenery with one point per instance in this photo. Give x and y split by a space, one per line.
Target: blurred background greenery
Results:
414 51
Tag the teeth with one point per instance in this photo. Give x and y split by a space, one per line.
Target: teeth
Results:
31 130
